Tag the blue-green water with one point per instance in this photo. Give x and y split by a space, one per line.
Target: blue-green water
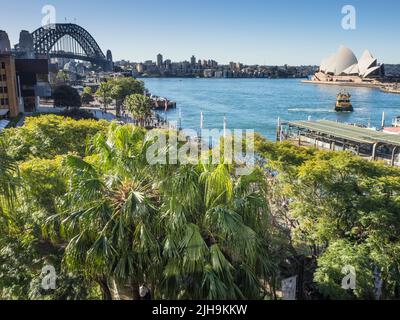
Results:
257 103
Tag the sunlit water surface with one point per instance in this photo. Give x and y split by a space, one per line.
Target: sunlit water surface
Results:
257 103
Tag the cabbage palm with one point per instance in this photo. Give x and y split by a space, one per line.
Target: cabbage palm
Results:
216 245
8 168
109 218
105 93
186 231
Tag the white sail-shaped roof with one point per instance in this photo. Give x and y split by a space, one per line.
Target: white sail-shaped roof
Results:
371 71
366 62
331 64
352 70
345 58
344 62
322 67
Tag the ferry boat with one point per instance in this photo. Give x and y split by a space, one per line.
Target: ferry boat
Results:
343 103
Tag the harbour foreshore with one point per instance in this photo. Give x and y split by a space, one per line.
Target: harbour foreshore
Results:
382 86
347 84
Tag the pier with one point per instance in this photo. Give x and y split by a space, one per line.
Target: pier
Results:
330 135
161 103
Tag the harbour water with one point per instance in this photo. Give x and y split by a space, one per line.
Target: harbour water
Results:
257 103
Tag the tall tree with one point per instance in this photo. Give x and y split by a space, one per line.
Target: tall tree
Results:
104 92
139 106
189 232
123 87
66 97
87 98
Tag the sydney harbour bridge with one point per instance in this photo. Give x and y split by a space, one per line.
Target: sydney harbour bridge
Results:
67 40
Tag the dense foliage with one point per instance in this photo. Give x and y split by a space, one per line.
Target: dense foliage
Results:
139 106
118 89
66 97
344 211
80 195
50 135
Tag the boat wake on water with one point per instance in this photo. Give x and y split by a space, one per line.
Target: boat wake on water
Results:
309 110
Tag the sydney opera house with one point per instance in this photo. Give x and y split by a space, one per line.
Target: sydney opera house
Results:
344 66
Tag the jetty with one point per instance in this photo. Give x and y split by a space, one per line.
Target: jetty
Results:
161 103
391 89
365 84
329 135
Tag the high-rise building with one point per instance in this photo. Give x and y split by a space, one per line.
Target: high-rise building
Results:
8 86
159 60
168 63
193 61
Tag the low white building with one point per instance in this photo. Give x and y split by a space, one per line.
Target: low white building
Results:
344 65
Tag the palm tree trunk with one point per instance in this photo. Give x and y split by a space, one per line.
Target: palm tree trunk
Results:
118 107
135 292
125 291
105 290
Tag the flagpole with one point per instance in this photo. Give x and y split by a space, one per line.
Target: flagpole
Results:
180 118
225 125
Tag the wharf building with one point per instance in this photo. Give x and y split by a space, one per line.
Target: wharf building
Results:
24 76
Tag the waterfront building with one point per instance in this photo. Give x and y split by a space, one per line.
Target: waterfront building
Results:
24 75
168 63
9 105
208 73
344 66
33 79
219 74
140 67
336 136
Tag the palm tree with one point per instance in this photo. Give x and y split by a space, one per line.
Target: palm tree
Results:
109 219
185 231
139 106
216 236
8 169
104 92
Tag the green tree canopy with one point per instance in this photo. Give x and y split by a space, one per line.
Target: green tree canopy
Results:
342 210
139 106
66 97
123 87
104 93
49 135
187 232
87 98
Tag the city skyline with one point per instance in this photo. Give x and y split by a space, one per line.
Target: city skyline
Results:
262 33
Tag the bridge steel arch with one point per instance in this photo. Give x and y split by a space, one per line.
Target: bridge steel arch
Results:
45 38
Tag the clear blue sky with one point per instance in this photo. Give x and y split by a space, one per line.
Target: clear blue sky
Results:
251 31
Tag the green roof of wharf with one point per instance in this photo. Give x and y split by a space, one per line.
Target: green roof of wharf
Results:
348 132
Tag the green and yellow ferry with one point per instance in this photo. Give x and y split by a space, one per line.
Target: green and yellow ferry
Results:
343 103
